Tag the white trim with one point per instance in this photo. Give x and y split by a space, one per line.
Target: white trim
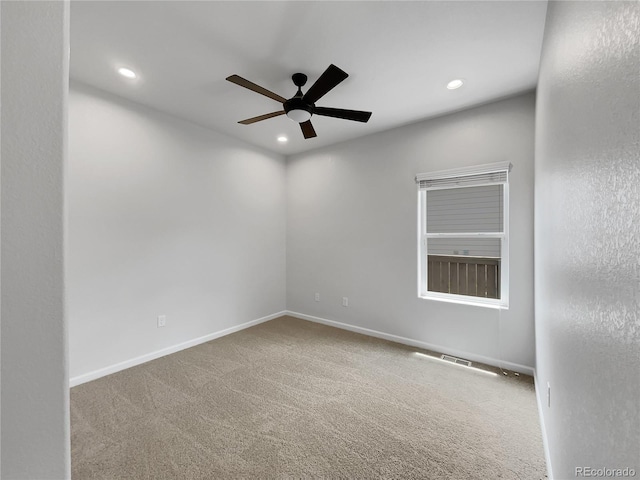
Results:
451 187
505 271
424 236
545 441
102 372
465 300
465 171
422 241
416 343
465 235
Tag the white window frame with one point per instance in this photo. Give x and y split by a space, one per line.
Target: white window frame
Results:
423 236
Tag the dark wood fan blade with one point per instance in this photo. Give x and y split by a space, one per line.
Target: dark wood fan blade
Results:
255 88
307 129
249 121
357 115
331 77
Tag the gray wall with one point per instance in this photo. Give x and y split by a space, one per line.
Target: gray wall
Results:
352 230
35 402
587 182
165 218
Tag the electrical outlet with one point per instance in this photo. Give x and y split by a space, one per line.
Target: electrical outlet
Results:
548 395
317 297
345 301
162 320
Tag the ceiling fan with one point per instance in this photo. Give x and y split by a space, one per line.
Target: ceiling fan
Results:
301 107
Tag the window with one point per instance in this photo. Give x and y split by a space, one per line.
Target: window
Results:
463 235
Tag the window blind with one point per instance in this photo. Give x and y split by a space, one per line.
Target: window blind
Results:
473 209
466 181
496 173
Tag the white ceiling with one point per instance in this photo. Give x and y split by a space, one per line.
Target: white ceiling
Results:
399 55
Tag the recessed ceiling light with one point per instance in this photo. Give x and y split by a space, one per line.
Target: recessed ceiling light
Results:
453 84
282 139
127 72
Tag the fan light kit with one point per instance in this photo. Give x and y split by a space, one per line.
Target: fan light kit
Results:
301 107
127 72
299 115
282 139
453 84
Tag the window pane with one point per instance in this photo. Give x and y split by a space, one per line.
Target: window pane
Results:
468 210
464 266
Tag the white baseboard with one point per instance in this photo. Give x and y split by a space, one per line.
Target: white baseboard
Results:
87 377
545 441
417 343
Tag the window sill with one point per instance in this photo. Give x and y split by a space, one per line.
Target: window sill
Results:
463 301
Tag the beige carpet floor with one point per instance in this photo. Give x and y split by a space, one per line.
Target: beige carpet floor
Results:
294 399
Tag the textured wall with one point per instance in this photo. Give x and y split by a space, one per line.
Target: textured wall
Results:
587 245
35 71
352 230
165 218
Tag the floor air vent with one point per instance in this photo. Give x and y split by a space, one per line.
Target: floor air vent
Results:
459 361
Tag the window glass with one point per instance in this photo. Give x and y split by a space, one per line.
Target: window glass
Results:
469 266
